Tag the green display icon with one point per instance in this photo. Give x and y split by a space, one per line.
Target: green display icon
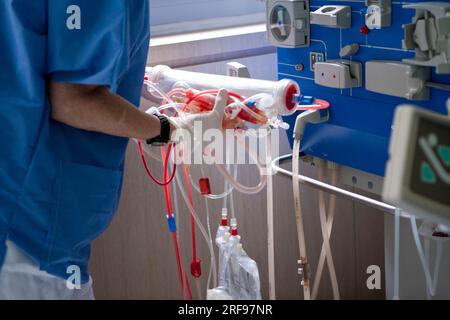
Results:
444 153
427 174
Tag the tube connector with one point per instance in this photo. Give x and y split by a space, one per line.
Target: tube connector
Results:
172 223
310 116
304 271
224 218
234 230
304 100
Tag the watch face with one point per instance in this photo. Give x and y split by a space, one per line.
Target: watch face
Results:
430 176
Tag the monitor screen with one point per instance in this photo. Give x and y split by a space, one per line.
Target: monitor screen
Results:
430 176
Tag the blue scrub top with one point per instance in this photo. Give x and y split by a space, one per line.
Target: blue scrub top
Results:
60 186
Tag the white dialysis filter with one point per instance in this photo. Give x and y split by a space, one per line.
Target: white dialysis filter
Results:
283 92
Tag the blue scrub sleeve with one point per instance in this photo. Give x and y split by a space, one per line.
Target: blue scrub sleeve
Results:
87 42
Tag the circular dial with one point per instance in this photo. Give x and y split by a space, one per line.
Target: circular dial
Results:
280 23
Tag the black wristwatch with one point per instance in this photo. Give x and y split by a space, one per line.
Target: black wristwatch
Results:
164 136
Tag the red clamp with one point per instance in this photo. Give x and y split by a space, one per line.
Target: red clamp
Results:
205 186
196 268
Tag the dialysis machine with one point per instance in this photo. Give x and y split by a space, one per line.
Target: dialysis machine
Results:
345 67
367 58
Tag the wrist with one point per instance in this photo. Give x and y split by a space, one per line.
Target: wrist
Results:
165 130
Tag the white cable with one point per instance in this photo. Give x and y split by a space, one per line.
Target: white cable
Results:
321 264
270 226
431 284
437 263
225 187
427 249
233 212
230 198
299 219
240 187
326 223
212 267
396 296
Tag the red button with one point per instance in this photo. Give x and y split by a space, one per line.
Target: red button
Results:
364 30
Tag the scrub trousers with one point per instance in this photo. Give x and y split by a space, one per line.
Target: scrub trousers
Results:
21 279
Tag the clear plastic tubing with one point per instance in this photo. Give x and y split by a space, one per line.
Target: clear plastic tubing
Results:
213 267
270 225
396 296
283 91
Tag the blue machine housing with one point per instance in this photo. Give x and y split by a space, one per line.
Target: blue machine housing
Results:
359 129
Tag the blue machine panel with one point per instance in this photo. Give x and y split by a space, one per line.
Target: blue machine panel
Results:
359 129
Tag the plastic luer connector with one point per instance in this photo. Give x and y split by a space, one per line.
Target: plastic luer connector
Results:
172 223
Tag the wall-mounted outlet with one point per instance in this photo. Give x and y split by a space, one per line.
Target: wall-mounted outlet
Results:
339 74
315 57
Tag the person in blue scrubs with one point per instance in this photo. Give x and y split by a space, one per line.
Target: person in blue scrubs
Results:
71 73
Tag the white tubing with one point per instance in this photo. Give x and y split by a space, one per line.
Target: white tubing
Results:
437 263
396 296
270 228
233 181
321 264
230 198
233 212
196 218
212 267
162 94
430 283
198 287
240 187
225 187
326 224
427 249
299 217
